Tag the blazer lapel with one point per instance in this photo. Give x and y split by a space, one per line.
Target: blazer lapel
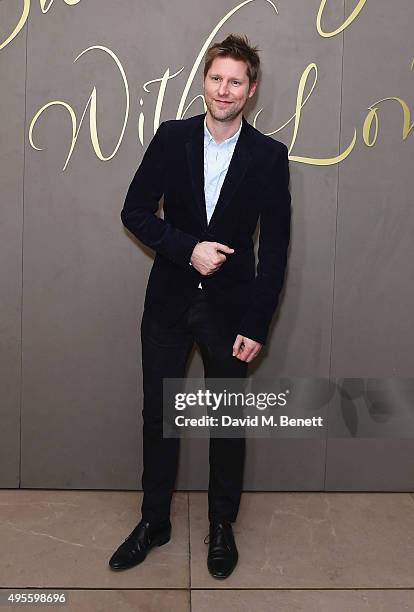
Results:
235 172
195 157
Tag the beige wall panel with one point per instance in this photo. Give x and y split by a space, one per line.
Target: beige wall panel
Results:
373 333
374 297
12 104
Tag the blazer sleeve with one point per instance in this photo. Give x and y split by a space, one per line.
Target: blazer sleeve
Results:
274 237
142 200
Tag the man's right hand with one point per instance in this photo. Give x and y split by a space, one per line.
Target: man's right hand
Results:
207 257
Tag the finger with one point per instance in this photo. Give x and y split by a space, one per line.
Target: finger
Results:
238 351
248 353
252 356
218 264
256 351
237 344
219 261
223 247
244 354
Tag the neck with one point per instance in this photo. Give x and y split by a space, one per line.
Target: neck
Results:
221 130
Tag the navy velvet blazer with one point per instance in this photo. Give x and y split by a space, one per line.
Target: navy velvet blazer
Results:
243 298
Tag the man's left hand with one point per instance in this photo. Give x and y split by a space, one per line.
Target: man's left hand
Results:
245 349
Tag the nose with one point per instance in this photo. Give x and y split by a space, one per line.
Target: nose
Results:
223 89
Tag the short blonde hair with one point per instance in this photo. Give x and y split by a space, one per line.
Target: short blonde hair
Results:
237 47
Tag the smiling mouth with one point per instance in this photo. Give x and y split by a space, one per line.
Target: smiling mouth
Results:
224 101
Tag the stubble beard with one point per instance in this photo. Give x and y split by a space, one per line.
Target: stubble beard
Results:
226 114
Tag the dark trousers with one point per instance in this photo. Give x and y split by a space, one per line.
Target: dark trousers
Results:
165 352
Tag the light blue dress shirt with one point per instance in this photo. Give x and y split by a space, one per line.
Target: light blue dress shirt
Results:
217 157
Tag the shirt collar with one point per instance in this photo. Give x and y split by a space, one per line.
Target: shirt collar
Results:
208 137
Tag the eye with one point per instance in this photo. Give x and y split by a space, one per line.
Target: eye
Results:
236 82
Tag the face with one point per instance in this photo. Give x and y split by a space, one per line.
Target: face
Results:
226 88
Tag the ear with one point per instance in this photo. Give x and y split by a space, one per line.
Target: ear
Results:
252 89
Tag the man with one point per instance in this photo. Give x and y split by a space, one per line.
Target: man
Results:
218 175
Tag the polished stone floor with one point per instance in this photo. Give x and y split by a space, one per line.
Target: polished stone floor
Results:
310 552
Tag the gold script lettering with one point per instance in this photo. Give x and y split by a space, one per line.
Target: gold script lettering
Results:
25 13
372 119
45 10
161 93
300 103
347 22
19 26
92 113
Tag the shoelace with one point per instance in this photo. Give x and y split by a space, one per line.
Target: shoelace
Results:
214 531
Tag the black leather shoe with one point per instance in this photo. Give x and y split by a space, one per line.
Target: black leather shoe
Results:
135 547
222 552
